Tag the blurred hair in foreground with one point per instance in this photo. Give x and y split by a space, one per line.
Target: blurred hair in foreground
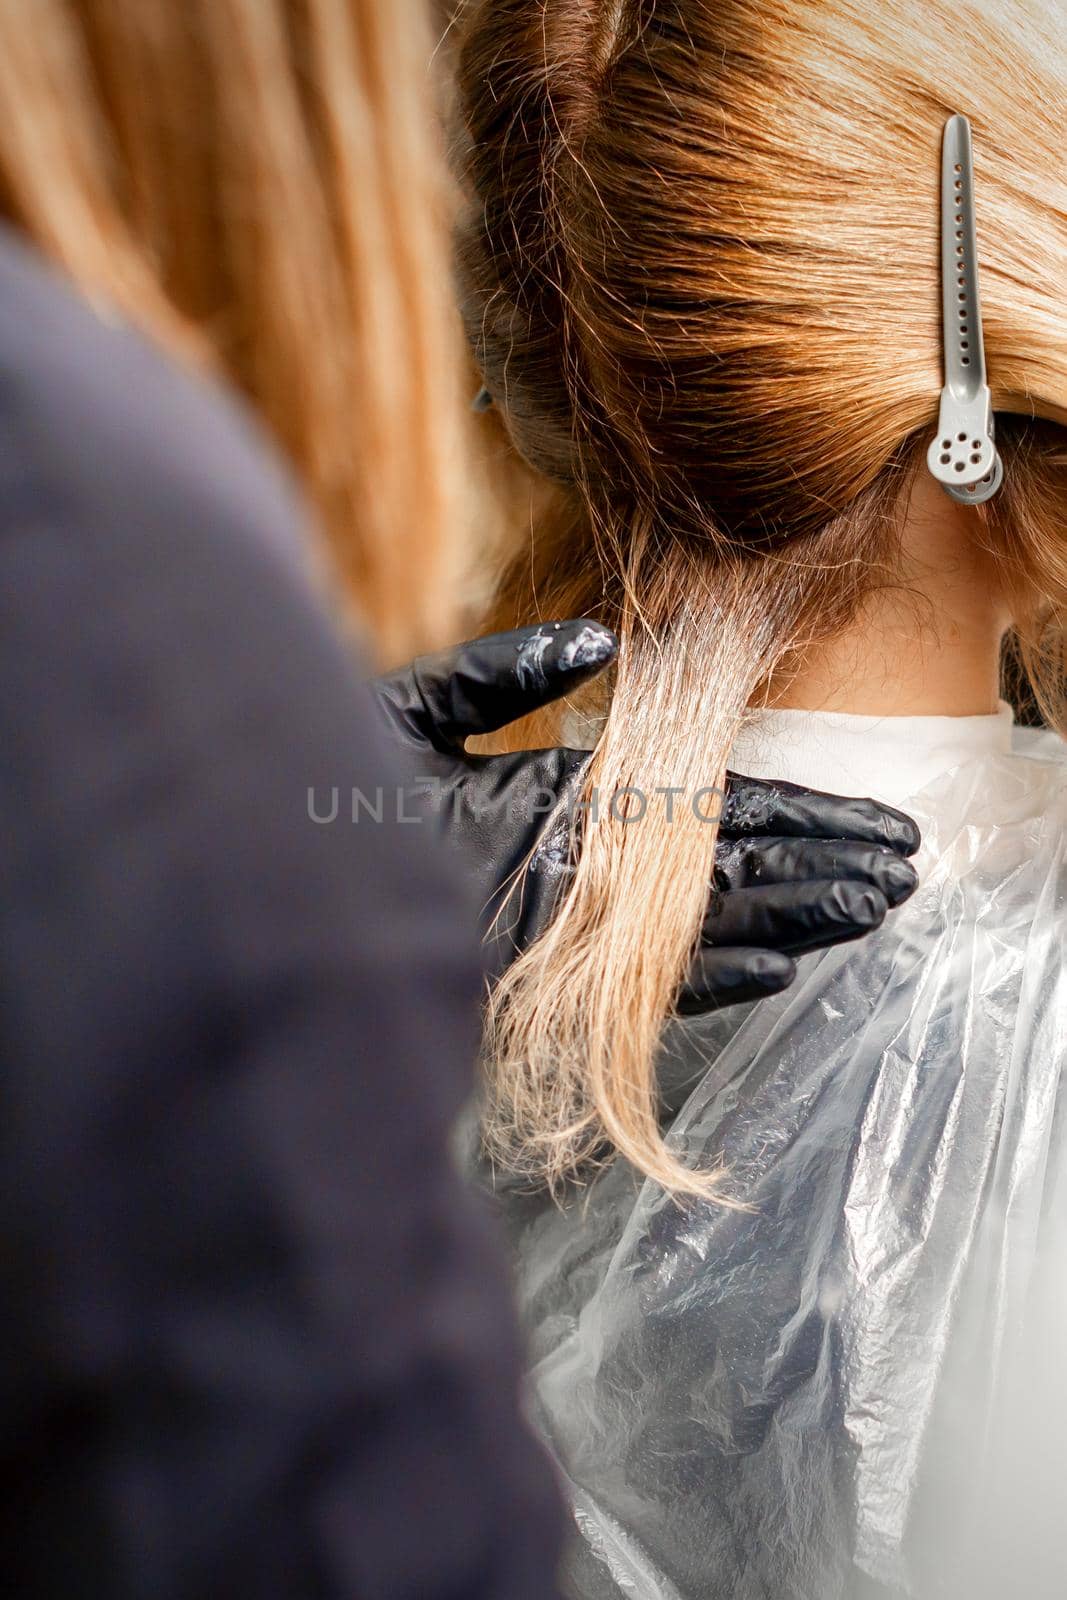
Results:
258 184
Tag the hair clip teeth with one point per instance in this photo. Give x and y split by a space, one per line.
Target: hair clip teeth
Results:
985 489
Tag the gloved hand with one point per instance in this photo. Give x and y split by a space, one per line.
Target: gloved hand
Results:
796 870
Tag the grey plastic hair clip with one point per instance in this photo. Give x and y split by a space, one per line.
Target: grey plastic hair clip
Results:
963 458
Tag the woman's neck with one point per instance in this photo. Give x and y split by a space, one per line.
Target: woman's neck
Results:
929 646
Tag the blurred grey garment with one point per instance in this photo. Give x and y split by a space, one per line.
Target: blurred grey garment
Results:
858 1387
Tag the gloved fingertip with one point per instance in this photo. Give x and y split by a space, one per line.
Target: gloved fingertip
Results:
860 904
902 832
771 971
731 977
583 645
899 881
554 658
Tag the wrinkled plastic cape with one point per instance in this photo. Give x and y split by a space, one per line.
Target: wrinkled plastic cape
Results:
857 1387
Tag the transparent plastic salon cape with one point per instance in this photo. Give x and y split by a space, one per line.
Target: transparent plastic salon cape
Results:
857 1387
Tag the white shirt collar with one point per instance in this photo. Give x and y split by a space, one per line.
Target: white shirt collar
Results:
890 758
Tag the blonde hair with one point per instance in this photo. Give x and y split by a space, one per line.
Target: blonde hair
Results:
257 184
702 278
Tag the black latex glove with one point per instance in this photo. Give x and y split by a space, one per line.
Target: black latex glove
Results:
796 870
